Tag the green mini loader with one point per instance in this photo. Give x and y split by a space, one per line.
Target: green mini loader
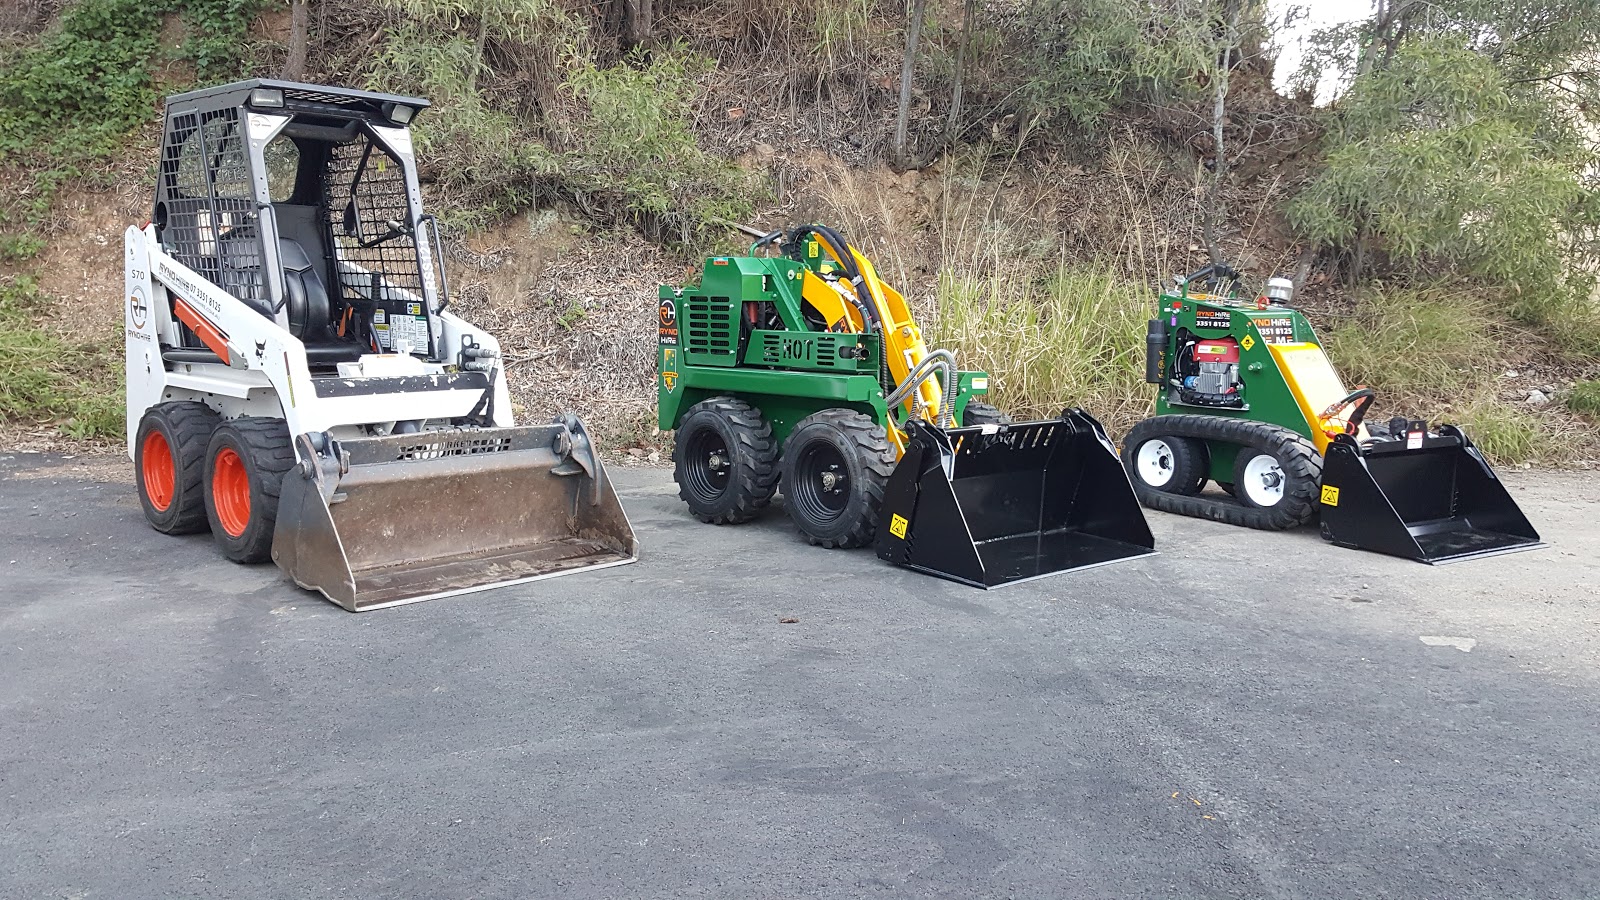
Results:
801 366
1247 399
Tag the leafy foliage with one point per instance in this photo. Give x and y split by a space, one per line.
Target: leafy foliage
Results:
1082 59
484 161
1433 352
90 79
1075 335
641 151
624 150
1466 145
1585 398
44 379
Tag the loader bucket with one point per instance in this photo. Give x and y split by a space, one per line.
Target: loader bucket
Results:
995 504
1428 497
382 521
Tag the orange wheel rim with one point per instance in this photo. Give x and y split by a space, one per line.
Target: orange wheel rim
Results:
159 473
230 492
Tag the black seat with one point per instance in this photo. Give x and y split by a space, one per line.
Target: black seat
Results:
310 311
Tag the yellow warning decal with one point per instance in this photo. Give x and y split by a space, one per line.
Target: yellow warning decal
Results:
897 526
1330 495
1248 342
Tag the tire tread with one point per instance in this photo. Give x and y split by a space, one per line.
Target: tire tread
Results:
875 455
1296 454
189 424
755 476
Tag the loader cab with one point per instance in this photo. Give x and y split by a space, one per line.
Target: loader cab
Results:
303 203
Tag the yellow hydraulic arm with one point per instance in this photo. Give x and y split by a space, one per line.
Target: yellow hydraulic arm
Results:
903 346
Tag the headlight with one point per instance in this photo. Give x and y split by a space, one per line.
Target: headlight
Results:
267 98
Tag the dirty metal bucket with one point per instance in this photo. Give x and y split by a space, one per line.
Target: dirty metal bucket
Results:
1428 496
995 504
382 521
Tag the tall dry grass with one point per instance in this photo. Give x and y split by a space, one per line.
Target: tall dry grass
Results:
1074 337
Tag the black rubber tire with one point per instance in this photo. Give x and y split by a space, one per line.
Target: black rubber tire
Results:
263 446
186 426
1295 454
1190 463
978 413
848 443
1291 474
739 493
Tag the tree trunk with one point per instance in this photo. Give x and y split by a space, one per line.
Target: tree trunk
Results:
477 53
638 20
1216 209
952 123
294 68
1359 264
901 158
1302 268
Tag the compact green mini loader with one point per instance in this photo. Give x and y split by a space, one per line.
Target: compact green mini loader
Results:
804 367
1248 399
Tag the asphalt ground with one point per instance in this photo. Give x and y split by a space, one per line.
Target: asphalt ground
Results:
1244 715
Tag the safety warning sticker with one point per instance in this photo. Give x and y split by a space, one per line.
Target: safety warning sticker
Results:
669 369
897 526
1330 495
394 328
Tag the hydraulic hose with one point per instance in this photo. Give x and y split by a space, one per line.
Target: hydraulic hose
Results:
847 263
936 359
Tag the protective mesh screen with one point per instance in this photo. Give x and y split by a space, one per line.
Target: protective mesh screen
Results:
365 172
210 223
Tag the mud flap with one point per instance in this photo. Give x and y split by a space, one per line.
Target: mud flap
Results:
382 521
997 504
1426 496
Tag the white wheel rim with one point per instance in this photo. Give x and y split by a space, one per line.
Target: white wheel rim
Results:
1263 480
1155 463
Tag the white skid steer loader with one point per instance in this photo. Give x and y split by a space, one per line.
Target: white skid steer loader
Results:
296 384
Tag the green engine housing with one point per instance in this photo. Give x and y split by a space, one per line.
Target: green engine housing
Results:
1263 392
744 331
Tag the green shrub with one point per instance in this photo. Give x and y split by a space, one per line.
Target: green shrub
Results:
1585 398
1415 344
1445 159
1506 434
17 248
43 379
480 157
89 80
639 151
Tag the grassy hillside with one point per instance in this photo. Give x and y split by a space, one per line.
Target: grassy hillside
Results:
579 162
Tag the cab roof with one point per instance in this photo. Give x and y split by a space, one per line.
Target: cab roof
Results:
297 97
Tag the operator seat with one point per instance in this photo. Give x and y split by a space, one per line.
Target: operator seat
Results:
310 311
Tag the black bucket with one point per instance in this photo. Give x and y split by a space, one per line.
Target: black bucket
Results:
996 504
1428 496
